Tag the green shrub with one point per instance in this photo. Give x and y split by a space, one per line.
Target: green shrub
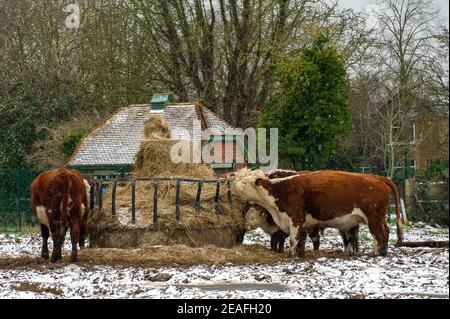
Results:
70 141
428 208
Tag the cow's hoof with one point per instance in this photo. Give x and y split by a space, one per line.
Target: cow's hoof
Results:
54 259
45 255
73 258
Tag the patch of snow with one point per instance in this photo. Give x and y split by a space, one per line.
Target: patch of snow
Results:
404 273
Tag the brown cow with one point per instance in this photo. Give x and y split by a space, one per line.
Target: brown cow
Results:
334 199
260 217
59 200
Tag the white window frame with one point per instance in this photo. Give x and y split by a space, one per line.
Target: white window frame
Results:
415 164
414 134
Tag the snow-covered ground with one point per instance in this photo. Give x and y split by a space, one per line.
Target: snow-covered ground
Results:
404 273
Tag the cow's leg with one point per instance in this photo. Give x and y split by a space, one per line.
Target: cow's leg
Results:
348 247
277 241
274 242
83 235
44 234
315 237
84 215
297 242
62 239
281 242
294 237
56 238
58 234
353 238
380 234
301 244
75 237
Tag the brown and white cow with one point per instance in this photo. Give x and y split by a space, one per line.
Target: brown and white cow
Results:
257 216
333 199
59 200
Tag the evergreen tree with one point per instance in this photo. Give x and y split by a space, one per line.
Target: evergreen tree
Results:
309 105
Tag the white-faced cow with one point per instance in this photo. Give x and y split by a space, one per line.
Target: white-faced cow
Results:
59 200
326 198
256 216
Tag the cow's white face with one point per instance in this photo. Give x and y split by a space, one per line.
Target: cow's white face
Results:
246 187
254 219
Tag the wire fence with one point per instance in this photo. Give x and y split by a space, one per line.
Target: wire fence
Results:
15 211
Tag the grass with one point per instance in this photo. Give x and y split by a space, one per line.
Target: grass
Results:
24 230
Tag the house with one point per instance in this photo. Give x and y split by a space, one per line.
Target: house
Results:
419 135
110 148
431 133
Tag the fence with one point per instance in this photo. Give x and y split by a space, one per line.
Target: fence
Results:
430 202
98 187
15 209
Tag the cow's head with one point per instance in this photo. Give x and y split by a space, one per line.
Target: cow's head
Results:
255 218
249 185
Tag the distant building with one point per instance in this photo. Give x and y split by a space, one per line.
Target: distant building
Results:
422 142
110 148
431 135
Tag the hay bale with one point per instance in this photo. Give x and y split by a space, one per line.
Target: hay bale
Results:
156 127
153 160
230 215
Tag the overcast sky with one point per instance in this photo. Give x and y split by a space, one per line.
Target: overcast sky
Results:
361 5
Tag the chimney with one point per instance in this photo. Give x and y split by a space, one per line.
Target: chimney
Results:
159 102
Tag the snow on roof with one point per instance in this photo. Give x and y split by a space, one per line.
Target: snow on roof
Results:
117 140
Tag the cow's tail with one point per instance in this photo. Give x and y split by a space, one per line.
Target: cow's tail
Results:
399 216
67 184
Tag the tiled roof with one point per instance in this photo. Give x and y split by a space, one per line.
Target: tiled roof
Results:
181 117
214 123
117 140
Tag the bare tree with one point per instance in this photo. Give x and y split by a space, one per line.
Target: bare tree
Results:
407 44
220 51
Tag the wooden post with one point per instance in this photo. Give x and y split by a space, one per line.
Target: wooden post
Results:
133 203
100 197
92 196
229 190
177 201
155 202
197 199
403 210
113 199
217 198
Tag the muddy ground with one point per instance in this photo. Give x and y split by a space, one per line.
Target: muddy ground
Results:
247 271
